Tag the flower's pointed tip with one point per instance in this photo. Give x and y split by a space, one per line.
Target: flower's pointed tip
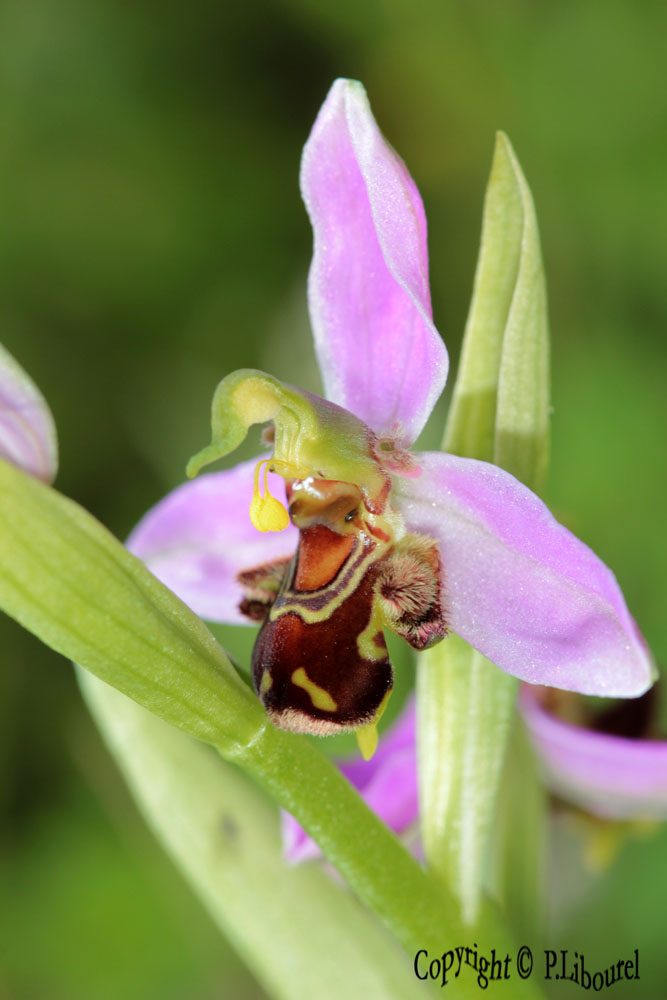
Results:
243 398
505 159
367 738
343 86
506 165
340 92
345 97
355 94
503 142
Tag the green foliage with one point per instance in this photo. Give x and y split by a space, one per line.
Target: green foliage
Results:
500 413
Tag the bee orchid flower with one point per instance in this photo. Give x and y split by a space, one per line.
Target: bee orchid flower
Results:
376 536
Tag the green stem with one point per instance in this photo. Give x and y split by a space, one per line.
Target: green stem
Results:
64 577
420 912
301 932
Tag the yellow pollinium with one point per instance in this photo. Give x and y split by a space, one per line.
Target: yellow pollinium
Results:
266 513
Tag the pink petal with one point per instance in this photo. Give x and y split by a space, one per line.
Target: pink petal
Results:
27 431
519 586
609 776
387 783
200 536
379 353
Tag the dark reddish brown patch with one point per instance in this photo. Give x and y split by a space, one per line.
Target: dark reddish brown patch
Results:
268 574
255 611
328 652
634 718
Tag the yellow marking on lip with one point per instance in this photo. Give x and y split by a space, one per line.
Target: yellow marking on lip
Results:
393 527
367 736
293 602
265 683
368 649
320 698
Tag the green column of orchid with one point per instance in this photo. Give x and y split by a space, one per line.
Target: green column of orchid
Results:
499 413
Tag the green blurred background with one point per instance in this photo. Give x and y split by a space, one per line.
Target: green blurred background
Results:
152 239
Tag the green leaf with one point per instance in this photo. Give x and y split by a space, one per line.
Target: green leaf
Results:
500 405
302 934
499 413
68 580
471 421
522 414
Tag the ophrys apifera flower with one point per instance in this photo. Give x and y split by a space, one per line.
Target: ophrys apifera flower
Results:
376 536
